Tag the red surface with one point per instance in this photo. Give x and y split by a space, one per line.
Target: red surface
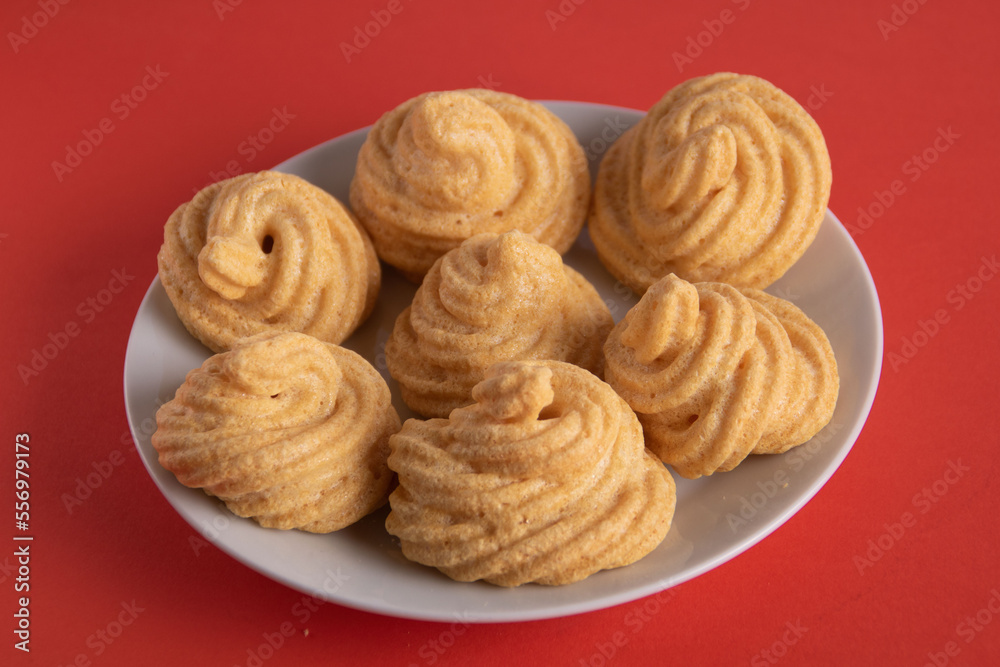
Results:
122 554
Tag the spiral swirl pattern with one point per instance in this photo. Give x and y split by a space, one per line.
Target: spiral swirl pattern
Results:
267 252
727 179
716 373
284 428
494 298
544 479
445 166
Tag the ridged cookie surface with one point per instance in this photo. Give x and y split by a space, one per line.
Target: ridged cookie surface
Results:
285 429
544 479
716 373
267 252
445 166
726 179
494 298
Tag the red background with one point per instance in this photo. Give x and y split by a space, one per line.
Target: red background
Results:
887 93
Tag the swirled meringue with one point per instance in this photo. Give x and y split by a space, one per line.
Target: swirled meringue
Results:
494 298
267 252
544 479
285 429
727 179
445 166
716 373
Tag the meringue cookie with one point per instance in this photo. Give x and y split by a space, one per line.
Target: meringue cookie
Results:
267 252
494 298
445 166
544 479
285 429
726 179
716 373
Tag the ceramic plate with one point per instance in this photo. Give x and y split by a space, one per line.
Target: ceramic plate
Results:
717 518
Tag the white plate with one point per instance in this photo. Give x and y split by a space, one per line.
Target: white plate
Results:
717 518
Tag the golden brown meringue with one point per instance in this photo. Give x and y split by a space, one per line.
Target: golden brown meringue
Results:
445 166
544 479
727 178
285 429
716 373
494 298
267 252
